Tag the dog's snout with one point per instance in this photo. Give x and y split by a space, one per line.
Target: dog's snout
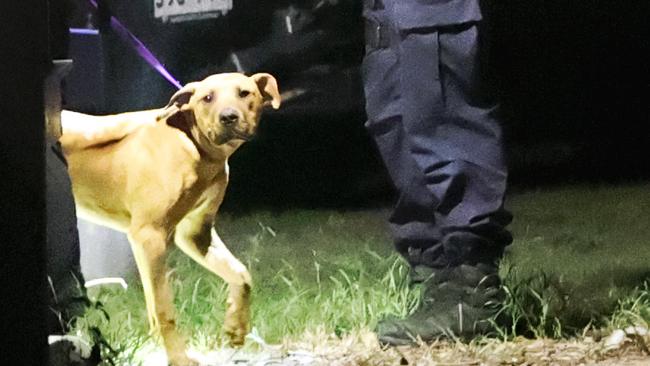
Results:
229 116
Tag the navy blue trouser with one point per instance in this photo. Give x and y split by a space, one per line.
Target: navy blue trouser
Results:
437 131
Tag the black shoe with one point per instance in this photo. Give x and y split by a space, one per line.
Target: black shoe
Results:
72 351
458 302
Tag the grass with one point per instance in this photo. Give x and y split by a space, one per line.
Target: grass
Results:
582 249
579 261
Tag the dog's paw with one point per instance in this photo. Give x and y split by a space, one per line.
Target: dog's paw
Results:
237 319
236 335
182 359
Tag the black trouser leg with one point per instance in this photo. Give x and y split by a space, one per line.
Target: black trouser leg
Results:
440 138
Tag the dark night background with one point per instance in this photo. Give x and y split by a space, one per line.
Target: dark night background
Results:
572 75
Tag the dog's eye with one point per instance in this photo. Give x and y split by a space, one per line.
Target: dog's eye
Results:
244 93
207 98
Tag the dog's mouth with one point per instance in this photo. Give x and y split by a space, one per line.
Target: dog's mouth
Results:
241 135
229 135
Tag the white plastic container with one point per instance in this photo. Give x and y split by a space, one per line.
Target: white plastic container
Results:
104 252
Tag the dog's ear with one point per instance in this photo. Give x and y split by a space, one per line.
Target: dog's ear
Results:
269 89
182 97
178 102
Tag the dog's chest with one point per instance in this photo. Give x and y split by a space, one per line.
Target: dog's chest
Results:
207 184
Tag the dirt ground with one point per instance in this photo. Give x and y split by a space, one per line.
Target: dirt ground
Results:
363 349
631 361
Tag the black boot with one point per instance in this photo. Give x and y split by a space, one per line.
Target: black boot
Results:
460 302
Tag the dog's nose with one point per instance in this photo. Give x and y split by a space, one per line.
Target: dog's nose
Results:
229 116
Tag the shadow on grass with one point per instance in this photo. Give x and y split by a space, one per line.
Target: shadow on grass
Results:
542 305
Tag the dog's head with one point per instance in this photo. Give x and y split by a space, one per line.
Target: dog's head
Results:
223 108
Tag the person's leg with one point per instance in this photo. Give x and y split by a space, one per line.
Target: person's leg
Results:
476 226
455 137
412 222
455 140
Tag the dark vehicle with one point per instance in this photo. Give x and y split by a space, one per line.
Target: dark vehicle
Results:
314 48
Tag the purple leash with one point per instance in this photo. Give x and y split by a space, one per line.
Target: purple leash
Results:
140 48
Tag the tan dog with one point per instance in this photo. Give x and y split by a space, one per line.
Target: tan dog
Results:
160 176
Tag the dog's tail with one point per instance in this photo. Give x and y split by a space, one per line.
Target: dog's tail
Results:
81 131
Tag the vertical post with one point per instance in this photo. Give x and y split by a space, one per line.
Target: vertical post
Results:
23 66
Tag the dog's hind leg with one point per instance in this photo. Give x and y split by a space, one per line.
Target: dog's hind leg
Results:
149 245
196 237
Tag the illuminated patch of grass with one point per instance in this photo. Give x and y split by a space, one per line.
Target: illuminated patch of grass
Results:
532 306
116 322
633 310
331 280
578 255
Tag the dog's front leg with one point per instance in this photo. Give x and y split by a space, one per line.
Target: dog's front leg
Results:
196 237
149 245
237 319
